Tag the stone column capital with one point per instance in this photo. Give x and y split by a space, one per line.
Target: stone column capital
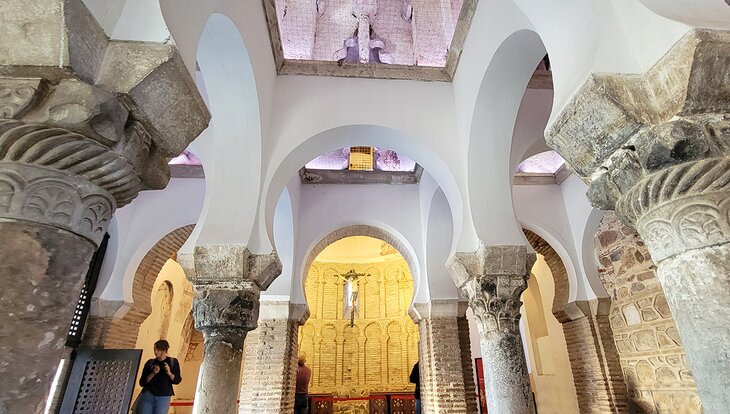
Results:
226 311
232 263
85 122
620 130
493 279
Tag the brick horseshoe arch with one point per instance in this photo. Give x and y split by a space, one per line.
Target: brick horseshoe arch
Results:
122 333
370 231
557 268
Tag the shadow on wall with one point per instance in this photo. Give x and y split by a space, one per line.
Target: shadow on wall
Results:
636 404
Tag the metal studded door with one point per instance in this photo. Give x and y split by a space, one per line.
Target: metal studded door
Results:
101 382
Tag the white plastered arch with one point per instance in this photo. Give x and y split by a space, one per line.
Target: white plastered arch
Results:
352 135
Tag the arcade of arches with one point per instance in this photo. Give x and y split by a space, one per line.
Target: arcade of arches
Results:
530 199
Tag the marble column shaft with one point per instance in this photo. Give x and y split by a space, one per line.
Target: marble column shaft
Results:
227 280
493 279
83 129
656 148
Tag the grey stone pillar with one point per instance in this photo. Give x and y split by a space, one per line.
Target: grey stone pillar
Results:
85 124
493 279
270 367
656 148
227 281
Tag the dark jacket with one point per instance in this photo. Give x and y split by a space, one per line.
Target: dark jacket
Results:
416 379
160 385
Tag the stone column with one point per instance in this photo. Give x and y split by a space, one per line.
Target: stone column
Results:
493 279
83 129
270 367
656 148
440 357
227 281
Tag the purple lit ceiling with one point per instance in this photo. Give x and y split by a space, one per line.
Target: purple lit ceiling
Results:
385 160
548 162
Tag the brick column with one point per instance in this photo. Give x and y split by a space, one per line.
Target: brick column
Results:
467 364
270 365
227 281
594 359
655 149
493 279
440 357
83 129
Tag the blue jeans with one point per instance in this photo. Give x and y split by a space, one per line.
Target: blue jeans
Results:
151 404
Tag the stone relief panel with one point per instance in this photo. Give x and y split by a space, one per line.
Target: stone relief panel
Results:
378 352
652 358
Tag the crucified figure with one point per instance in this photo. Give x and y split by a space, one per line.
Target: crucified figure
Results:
351 292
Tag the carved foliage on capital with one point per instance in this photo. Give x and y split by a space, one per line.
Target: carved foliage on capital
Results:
225 311
686 223
493 279
48 197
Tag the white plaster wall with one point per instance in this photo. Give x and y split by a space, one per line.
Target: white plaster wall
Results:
438 242
140 225
265 127
325 208
541 209
584 221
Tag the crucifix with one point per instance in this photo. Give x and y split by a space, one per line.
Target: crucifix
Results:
351 291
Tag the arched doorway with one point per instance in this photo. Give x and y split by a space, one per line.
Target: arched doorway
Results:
359 340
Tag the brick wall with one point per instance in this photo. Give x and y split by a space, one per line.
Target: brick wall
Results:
650 350
467 366
269 370
441 366
594 361
122 333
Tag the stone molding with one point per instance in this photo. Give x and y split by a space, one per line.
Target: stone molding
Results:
493 279
69 45
232 263
438 308
283 310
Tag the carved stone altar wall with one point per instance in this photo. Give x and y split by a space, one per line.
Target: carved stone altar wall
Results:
652 357
377 354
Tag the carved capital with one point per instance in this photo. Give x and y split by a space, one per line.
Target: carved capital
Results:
620 129
50 197
73 103
493 279
226 311
681 208
234 263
